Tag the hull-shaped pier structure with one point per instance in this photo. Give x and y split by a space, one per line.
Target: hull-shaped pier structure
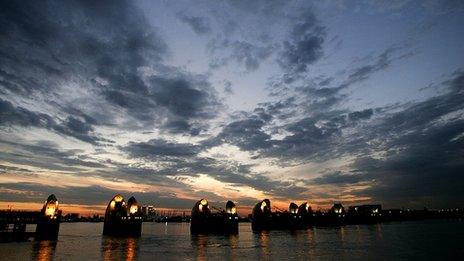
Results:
305 215
204 221
13 223
264 219
364 214
123 219
335 217
296 217
48 224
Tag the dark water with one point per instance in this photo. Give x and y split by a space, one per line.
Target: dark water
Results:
431 239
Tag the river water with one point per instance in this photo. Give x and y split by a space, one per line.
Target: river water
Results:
429 239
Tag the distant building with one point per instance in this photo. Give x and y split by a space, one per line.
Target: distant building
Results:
71 217
149 212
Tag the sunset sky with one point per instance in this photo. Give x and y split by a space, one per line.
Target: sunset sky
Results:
173 101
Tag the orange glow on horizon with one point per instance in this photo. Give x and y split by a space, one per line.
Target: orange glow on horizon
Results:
84 210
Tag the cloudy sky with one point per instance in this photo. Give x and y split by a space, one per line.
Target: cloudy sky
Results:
173 101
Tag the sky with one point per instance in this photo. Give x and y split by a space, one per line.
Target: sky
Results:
173 101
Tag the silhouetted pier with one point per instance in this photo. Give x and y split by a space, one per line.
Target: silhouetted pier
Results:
297 217
121 219
125 219
204 221
13 224
302 217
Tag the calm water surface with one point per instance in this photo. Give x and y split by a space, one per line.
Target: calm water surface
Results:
431 239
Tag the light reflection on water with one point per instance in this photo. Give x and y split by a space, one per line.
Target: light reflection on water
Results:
77 241
119 248
43 250
263 239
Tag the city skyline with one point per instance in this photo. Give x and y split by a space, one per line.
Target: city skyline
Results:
328 101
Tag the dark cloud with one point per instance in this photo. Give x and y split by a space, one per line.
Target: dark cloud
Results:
249 54
228 87
79 129
245 53
199 25
417 146
338 178
183 126
47 156
320 92
326 81
11 115
161 148
50 49
417 150
6 169
304 46
423 145
319 96
311 138
361 115
58 42
261 6
443 6
363 72
185 97
246 134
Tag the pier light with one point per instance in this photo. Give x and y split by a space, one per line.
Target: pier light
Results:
263 205
116 207
262 209
305 209
118 198
203 204
338 209
133 206
133 209
50 208
230 208
201 208
293 208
